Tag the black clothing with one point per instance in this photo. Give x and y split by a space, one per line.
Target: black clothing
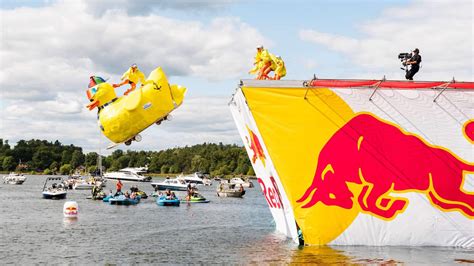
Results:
412 72
414 68
417 59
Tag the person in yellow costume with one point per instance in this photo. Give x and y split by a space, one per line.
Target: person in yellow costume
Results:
132 76
280 70
263 63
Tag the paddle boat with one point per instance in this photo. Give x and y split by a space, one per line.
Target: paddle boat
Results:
57 190
14 179
166 201
195 198
122 200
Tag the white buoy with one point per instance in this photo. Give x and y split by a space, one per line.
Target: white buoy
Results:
71 209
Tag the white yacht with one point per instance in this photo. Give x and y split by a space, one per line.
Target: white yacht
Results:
195 178
14 179
130 174
171 184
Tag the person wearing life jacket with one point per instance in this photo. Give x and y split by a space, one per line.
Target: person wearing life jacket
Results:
132 76
280 69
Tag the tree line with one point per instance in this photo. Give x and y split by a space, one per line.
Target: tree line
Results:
41 156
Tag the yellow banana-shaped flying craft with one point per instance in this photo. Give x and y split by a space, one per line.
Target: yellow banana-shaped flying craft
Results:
121 119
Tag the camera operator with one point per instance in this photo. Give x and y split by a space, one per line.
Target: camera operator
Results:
414 62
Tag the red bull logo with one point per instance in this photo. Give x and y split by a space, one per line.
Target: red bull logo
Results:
256 147
70 210
382 158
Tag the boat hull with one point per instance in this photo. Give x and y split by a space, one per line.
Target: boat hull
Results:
54 196
231 194
124 202
124 178
165 187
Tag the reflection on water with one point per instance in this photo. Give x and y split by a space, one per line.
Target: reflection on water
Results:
69 222
225 231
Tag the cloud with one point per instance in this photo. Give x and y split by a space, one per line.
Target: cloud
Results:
49 52
145 7
198 120
440 29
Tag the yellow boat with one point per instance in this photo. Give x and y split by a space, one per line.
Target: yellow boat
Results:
121 119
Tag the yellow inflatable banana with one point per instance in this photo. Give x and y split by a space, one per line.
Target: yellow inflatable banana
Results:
121 119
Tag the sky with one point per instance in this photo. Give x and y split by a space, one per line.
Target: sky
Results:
48 50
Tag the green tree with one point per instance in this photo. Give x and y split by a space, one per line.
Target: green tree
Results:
165 169
66 157
251 172
42 158
9 163
54 167
65 169
77 159
91 158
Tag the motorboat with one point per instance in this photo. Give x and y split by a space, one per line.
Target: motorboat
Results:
171 184
14 179
230 190
83 184
207 181
57 189
240 181
196 178
130 174
167 201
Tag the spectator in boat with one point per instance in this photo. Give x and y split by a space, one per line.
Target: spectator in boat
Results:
173 196
241 189
111 193
132 76
133 195
414 61
168 193
127 195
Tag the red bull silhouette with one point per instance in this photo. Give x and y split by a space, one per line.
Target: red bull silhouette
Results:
256 147
383 159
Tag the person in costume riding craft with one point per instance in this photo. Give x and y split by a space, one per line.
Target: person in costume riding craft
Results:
280 69
262 64
132 76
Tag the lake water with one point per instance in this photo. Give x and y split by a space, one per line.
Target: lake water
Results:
224 231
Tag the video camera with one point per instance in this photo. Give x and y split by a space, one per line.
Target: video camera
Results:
404 57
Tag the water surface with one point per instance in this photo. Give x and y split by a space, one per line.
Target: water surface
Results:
225 231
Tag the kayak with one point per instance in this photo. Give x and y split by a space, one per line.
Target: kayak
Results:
163 201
